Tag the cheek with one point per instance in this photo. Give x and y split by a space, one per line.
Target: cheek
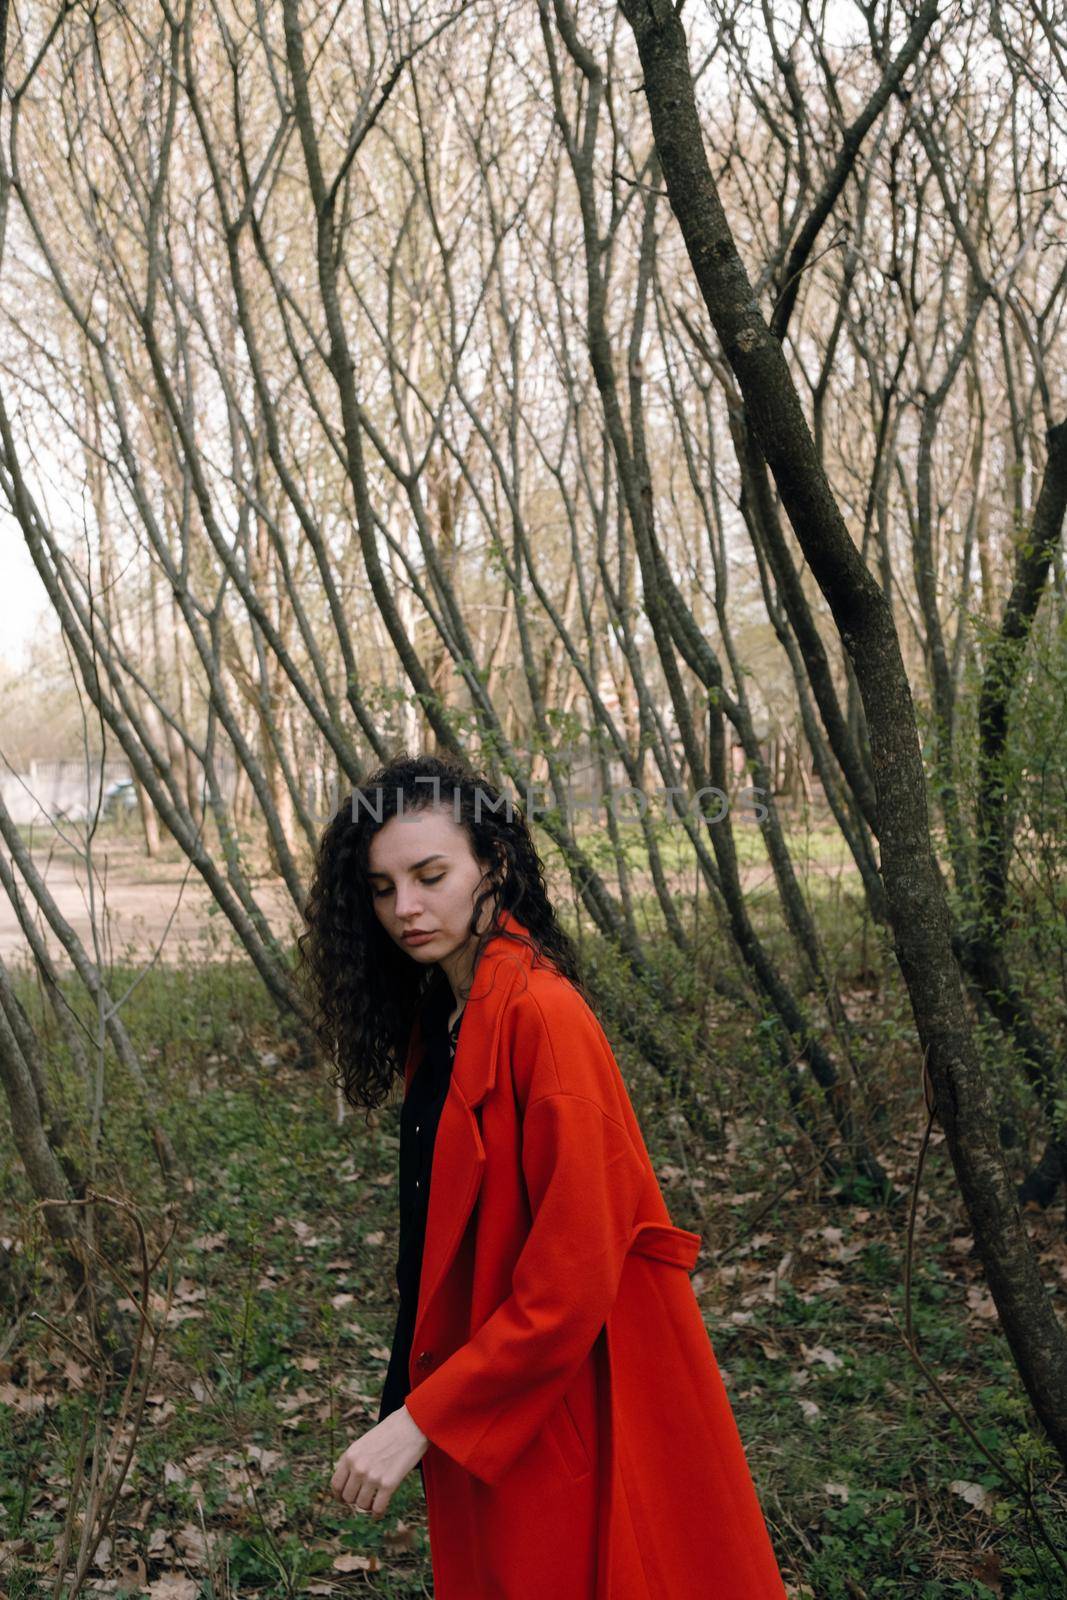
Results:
461 899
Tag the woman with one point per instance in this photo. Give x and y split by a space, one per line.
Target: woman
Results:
551 1375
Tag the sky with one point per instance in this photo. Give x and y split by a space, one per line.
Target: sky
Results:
24 607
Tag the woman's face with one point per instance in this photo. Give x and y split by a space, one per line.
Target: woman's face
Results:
423 876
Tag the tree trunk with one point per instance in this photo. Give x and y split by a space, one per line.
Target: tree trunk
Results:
915 897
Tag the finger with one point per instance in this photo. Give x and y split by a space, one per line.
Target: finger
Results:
368 1494
353 1484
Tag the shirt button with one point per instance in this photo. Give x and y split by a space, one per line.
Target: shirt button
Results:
416 1127
416 1183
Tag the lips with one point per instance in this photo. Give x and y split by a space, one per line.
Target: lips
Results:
417 936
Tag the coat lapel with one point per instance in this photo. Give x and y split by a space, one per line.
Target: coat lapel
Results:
459 1155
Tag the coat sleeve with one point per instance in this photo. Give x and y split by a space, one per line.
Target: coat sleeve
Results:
584 1179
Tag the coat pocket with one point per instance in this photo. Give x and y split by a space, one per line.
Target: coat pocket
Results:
564 1430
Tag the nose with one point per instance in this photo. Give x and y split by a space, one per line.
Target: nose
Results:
408 904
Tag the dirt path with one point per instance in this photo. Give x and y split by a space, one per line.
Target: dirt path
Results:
139 906
143 905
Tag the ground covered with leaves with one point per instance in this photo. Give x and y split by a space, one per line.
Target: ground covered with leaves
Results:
275 1303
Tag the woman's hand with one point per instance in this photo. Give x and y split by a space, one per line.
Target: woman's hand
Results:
372 1467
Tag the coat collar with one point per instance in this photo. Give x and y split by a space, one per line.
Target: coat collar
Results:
502 962
459 1155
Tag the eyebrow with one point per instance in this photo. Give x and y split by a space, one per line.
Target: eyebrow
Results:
414 867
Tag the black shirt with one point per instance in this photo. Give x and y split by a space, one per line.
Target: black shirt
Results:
419 1117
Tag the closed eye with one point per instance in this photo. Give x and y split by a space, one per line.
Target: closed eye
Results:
377 893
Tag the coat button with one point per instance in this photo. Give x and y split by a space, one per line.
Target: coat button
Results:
424 1358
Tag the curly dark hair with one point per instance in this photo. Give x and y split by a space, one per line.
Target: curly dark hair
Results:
364 991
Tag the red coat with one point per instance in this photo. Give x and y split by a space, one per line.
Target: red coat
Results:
582 1444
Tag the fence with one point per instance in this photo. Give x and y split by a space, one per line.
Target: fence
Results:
56 789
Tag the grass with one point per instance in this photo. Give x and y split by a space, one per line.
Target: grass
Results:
276 1344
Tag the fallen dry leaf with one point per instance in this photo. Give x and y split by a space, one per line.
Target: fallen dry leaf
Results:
980 1301
21 1399
173 1586
819 1352
974 1494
